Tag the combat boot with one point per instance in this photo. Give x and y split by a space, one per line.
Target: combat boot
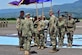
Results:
35 44
21 49
70 45
39 47
45 46
60 45
26 53
42 48
54 50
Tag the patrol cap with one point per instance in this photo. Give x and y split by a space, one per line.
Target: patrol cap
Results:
69 14
60 16
51 11
43 16
21 11
27 14
39 16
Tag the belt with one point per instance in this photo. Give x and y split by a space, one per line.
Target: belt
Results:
45 29
69 27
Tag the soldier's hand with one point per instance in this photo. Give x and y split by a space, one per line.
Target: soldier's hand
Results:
17 29
39 29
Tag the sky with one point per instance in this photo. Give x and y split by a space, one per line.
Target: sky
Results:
4 4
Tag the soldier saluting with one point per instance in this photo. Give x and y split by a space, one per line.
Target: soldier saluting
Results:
41 26
61 30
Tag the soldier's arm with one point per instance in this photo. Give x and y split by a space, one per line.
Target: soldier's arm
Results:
31 26
56 20
66 24
43 25
52 20
74 24
21 26
17 23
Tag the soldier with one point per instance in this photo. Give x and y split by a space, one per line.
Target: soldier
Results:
0 24
40 28
6 23
61 30
53 31
18 26
27 30
64 18
3 23
71 26
45 30
35 31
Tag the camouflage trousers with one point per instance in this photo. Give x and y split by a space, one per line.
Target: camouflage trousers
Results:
45 36
53 38
41 38
70 37
36 38
27 43
21 39
61 38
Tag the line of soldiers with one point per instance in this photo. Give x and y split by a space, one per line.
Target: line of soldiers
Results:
39 27
3 24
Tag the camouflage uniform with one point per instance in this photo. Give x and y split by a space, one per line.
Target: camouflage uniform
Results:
0 24
45 31
61 31
18 26
27 30
71 26
53 31
65 20
35 32
40 28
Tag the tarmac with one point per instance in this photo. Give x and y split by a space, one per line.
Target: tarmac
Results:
11 29
14 50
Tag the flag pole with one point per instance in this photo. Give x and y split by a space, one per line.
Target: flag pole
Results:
58 13
36 10
51 6
42 10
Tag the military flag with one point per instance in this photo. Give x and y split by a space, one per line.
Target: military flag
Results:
41 1
16 3
58 13
20 2
27 2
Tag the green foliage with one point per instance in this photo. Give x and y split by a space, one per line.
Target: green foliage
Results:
11 18
2 18
7 18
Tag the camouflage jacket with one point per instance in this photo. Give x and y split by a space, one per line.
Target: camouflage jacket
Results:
52 24
27 27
